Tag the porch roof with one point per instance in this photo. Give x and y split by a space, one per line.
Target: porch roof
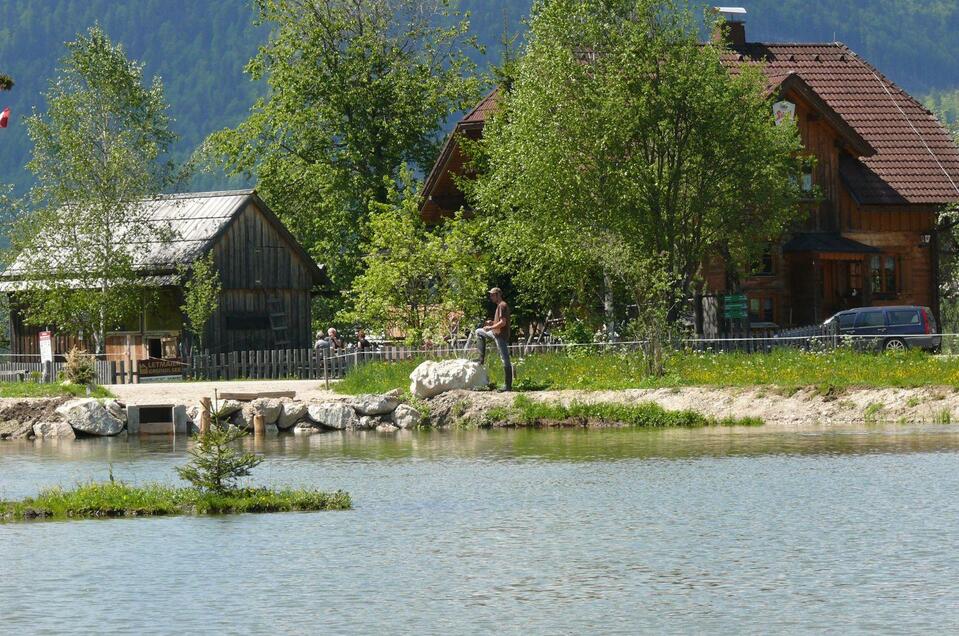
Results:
827 242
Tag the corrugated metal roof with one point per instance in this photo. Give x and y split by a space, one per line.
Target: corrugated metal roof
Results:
147 281
186 223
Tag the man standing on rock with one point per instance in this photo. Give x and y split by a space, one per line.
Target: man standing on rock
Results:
497 330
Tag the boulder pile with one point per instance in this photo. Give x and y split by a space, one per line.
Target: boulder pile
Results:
104 418
384 412
60 418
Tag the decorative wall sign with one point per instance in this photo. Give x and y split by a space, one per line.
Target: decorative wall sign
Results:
783 110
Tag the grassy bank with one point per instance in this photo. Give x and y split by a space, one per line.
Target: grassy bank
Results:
783 368
37 390
116 499
526 412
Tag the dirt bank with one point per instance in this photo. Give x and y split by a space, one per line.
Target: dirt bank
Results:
805 409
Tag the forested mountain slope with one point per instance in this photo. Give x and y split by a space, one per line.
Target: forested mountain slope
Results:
200 48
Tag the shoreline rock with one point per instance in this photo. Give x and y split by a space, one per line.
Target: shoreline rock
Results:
431 378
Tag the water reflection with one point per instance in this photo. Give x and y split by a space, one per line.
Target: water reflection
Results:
507 444
561 531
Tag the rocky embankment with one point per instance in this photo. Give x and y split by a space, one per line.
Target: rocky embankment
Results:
385 413
69 419
447 394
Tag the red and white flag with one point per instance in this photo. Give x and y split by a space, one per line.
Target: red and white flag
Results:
4 118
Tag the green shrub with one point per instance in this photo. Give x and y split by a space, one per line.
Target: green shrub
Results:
79 367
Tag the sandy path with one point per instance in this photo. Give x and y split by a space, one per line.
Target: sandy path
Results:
191 392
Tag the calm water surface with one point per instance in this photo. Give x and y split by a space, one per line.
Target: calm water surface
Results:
603 531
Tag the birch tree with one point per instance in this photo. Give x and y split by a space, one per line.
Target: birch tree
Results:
98 151
201 295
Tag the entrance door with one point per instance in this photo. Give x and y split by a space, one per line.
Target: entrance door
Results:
842 282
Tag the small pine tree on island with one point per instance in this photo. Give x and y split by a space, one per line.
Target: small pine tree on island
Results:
216 465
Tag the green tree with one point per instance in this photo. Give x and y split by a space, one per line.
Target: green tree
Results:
217 465
359 90
416 279
6 82
98 152
201 295
626 150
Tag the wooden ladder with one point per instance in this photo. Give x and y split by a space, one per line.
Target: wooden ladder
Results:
278 322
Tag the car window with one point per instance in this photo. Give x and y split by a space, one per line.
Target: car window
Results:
870 319
846 321
904 317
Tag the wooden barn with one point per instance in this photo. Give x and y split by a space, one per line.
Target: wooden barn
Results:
268 280
884 168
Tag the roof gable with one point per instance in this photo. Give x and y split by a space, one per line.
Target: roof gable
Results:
795 83
914 156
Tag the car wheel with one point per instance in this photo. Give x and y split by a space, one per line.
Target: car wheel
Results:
895 344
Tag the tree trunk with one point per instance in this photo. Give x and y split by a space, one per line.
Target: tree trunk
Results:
609 307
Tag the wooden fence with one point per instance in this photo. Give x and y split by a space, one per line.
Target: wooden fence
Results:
314 364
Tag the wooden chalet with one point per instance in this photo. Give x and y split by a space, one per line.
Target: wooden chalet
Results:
884 167
267 278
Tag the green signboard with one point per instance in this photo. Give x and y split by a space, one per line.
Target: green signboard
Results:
734 307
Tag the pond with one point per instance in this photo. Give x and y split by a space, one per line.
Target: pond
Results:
510 531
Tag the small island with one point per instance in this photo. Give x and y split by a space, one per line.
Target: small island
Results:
213 473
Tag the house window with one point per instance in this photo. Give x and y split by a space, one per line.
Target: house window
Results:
765 265
762 309
806 181
884 275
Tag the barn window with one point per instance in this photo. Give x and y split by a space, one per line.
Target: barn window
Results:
247 321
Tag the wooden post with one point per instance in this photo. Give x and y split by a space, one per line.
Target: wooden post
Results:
259 425
205 415
326 370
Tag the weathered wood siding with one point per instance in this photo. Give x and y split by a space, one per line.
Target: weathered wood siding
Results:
257 264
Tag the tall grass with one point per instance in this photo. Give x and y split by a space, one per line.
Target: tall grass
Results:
647 415
117 499
35 389
782 368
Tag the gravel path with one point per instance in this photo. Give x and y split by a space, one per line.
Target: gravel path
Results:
191 392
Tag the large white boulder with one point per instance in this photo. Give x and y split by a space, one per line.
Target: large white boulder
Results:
334 415
269 408
290 414
90 416
374 404
405 416
54 428
432 378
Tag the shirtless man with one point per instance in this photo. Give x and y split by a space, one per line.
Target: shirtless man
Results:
497 330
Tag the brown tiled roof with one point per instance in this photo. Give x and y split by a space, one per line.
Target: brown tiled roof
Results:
482 110
916 160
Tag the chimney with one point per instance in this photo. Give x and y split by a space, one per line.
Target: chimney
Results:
732 26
